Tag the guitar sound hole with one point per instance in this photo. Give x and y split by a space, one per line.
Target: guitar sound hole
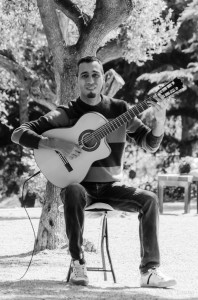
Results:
89 142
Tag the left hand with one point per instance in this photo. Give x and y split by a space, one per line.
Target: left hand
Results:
159 107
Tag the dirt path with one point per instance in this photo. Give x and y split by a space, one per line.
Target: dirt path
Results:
46 277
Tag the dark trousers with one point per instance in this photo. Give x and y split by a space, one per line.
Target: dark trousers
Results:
121 197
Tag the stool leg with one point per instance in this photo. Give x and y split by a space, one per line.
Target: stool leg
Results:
187 198
108 252
69 272
104 224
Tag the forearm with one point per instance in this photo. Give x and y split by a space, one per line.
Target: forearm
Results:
26 137
30 134
158 128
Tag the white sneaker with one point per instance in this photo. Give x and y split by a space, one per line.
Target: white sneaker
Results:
154 278
79 273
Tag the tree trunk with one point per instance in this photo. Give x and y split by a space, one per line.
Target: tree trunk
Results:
64 25
23 106
51 232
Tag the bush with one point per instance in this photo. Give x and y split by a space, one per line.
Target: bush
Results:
184 167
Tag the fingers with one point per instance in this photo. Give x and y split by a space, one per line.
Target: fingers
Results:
159 102
160 106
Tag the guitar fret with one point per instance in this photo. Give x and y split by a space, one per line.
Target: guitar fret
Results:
137 110
119 121
111 126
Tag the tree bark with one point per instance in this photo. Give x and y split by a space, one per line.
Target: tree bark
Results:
51 232
23 106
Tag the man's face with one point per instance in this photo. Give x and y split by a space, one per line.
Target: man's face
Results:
90 79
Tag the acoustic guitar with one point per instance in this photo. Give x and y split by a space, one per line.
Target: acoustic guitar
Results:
89 133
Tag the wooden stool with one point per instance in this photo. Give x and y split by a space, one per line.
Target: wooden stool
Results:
175 180
101 209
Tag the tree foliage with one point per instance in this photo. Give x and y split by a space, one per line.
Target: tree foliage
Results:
179 60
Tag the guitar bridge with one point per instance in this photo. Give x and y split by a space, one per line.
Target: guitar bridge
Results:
65 161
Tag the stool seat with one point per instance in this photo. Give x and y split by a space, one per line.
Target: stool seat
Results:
97 209
99 206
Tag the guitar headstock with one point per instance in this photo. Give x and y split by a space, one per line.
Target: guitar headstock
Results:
171 87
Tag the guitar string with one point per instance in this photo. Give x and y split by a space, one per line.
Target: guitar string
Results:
104 129
116 123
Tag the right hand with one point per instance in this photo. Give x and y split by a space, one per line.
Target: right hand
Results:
67 149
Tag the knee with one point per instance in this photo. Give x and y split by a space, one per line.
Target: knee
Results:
73 195
152 199
74 189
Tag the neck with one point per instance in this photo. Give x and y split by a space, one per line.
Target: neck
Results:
91 101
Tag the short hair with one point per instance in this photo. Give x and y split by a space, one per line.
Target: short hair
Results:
89 59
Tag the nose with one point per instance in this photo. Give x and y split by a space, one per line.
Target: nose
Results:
90 79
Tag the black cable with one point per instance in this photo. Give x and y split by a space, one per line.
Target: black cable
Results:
29 220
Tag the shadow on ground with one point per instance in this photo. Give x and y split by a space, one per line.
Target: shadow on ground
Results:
53 290
16 255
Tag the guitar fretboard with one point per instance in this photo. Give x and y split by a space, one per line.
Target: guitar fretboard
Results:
114 124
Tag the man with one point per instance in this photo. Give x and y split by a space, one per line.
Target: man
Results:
102 183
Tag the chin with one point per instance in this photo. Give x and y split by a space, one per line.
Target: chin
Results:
91 95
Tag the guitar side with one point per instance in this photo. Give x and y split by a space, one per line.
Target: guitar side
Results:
75 170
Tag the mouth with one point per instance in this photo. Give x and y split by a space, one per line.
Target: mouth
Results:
91 89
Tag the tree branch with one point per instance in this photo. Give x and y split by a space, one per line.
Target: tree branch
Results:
53 32
73 12
20 73
108 15
44 103
110 51
30 84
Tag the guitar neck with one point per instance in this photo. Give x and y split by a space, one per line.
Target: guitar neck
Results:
114 124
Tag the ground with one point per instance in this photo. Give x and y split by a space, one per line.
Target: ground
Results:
45 278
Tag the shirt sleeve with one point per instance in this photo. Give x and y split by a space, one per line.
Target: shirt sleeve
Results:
29 133
143 136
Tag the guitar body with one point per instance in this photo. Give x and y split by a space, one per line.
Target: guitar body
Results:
61 173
